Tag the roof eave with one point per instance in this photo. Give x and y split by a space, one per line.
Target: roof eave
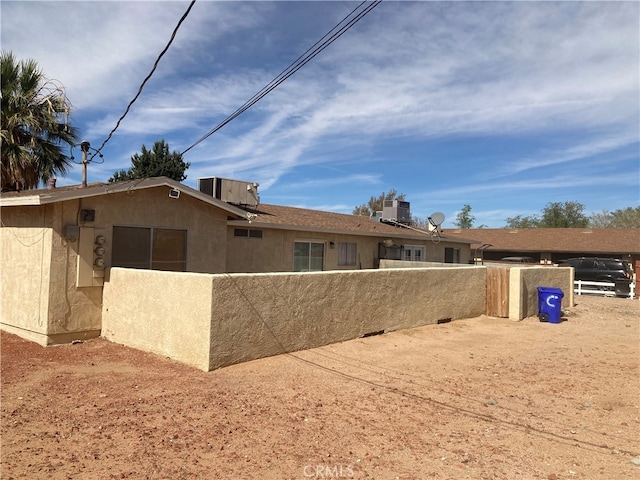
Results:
53 196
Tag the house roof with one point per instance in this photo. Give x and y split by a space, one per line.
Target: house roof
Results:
595 240
60 194
265 215
302 219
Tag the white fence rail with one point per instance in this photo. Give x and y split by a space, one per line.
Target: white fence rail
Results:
582 287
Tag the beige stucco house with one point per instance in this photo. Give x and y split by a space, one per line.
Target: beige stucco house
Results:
57 246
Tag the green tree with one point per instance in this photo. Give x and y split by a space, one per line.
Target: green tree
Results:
554 215
624 218
157 162
564 215
464 219
523 222
375 204
35 111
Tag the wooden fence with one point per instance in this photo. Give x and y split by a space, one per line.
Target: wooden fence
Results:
498 292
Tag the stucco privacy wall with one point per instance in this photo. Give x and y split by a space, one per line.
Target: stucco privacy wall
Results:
167 313
524 283
242 317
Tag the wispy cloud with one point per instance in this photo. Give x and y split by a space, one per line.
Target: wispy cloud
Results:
562 76
585 149
540 185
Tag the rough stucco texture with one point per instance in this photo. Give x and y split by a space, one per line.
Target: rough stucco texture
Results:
523 288
210 321
24 281
261 315
161 312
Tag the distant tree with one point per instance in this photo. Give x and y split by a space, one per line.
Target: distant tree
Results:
34 125
464 219
523 222
421 223
624 218
157 162
375 204
564 215
554 215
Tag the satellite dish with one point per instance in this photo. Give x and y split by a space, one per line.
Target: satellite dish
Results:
436 219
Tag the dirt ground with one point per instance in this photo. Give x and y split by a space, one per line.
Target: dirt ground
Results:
481 398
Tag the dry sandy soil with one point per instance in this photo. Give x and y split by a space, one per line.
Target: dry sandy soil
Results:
482 398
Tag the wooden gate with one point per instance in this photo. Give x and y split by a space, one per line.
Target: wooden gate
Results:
498 292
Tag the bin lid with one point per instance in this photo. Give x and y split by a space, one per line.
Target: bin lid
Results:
551 290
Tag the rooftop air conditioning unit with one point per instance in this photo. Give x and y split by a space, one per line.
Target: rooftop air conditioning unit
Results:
235 192
376 216
396 211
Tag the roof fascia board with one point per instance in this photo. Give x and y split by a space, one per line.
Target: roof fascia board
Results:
30 201
52 196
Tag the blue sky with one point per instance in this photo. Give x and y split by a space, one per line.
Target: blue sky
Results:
504 106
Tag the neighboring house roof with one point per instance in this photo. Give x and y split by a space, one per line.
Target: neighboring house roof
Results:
60 194
302 219
595 240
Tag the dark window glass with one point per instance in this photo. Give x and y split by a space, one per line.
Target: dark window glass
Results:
246 233
155 248
308 257
131 247
169 250
448 255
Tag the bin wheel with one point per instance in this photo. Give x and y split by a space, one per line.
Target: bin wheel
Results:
543 317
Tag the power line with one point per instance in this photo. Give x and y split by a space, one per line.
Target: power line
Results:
155 65
336 32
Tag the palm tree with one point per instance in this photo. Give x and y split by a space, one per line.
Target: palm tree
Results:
34 125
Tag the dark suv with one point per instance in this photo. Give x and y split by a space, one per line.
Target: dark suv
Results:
611 270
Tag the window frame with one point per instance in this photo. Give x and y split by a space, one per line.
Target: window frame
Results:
456 254
151 242
412 249
309 255
347 258
247 233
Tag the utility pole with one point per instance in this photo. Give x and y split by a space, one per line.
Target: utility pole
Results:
84 146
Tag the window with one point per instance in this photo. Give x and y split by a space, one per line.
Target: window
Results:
390 251
414 253
150 248
247 233
451 255
347 253
308 257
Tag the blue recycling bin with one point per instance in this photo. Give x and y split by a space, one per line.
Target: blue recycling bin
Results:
550 304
